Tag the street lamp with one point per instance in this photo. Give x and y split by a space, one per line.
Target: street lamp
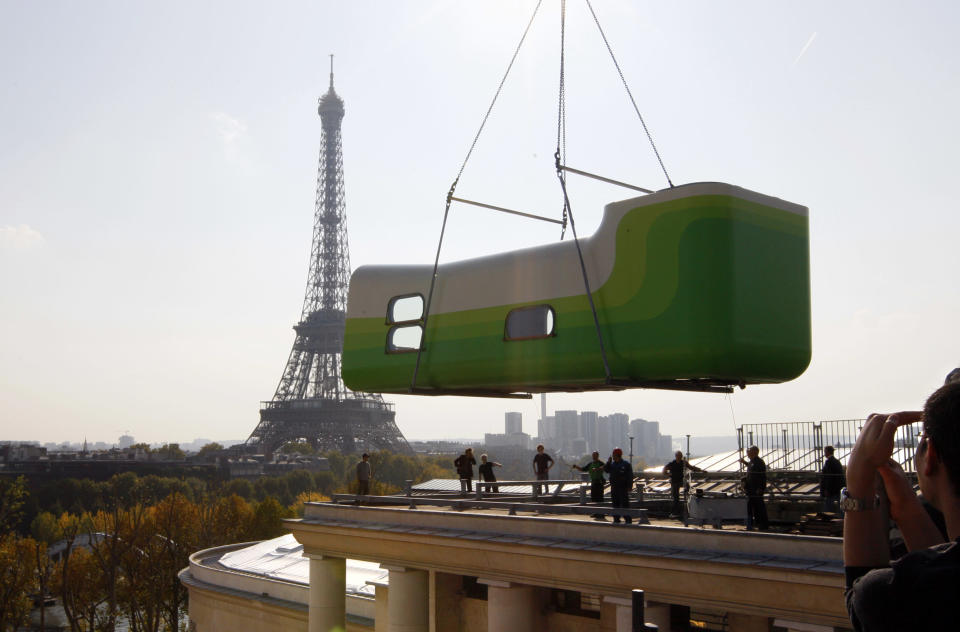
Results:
631 452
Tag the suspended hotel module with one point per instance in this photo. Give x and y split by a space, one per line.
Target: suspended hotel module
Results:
703 287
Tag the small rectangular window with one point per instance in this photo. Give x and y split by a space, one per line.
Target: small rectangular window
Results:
525 323
404 338
405 309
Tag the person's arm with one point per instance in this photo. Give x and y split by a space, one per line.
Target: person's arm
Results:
694 467
550 464
666 469
865 534
916 525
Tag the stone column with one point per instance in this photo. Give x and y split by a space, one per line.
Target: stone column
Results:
381 615
328 590
624 613
408 608
510 606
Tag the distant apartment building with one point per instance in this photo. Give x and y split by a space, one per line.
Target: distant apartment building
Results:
576 434
513 423
617 432
588 428
513 435
568 429
547 430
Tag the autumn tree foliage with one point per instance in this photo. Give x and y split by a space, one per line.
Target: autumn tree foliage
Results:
111 551
16 581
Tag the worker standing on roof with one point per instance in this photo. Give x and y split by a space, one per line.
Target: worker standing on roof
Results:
621 479
464 464
595 469
831 480
542 462
486 473
755 485
364 474
676 469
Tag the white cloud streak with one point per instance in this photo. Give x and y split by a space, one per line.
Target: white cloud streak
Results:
20 238
229 128
805 47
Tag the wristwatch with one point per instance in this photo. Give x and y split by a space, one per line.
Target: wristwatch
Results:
849 503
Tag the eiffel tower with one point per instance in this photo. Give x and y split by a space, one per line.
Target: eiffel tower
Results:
311 402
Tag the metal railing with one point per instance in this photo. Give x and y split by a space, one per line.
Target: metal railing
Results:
798 446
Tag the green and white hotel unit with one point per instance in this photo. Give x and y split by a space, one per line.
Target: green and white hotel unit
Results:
701 285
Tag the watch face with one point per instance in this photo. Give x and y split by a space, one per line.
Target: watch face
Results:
849 504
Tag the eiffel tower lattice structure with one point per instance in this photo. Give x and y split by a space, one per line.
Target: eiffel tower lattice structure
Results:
311 402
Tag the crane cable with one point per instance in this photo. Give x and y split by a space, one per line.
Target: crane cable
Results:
629 93
559 160
453 187
567 209
560 156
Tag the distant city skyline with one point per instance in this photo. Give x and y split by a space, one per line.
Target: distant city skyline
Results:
158 169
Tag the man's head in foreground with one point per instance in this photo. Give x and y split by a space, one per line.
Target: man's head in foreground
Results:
938 455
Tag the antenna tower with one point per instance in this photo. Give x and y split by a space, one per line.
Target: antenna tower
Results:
311 402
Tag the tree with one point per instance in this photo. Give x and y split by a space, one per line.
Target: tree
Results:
238 487
82 591
16 581
268 520
176 535
229 520
209 450
170 452
45 531
13 495
115 534
296 510
299 481
70 527
297 447
273 487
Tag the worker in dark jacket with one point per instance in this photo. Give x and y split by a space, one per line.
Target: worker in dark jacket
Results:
464 464
831 480
676 469
755 485
621 479
486 473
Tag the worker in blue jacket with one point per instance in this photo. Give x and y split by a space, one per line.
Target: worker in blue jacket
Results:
621 479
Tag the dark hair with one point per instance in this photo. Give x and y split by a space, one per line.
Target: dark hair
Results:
364 456
828 450
941 422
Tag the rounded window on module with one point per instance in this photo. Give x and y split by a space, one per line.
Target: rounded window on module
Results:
527 323
404 338
405 309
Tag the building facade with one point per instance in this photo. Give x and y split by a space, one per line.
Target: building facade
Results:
477 571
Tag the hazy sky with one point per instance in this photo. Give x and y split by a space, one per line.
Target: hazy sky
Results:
158 163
